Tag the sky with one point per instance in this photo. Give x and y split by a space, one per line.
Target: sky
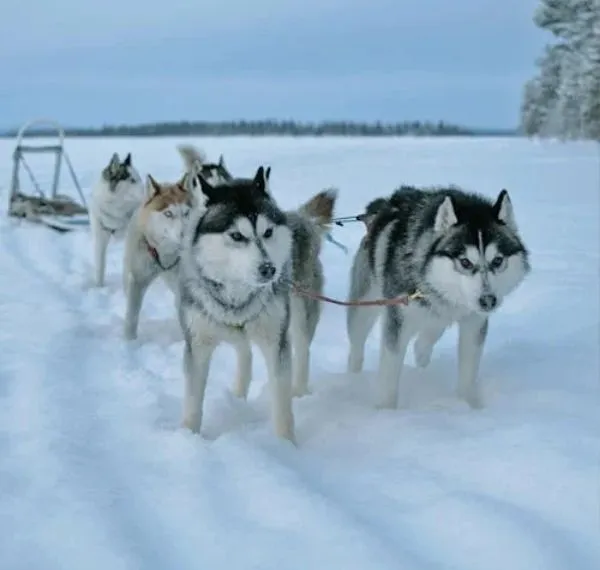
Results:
135 61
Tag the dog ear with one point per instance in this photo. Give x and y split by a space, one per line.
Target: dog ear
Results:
205 187
114 163
503 210
182 184
127 161
445 217
221 161
260 181
152 186
112 168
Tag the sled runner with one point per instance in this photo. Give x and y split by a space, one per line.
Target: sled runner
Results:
57 211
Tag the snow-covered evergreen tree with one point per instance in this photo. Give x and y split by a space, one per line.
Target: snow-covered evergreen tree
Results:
564 98
590 105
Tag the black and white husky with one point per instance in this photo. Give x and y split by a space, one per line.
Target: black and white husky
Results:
240 253
461 251
196 164
115 198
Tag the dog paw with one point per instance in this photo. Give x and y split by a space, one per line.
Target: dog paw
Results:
386 404
288 435
299 391
422 350
240 391
354 364
472 398
191 424
129 334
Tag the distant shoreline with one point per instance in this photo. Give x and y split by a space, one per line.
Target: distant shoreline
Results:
271 128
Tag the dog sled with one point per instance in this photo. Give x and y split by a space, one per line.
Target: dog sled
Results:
55 210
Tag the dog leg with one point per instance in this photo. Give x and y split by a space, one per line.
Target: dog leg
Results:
303 324
394 341
423 346
277 356
359 320
472 332
359 323
136 289
244 369
101 238
196 363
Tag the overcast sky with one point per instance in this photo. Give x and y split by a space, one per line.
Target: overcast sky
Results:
131 61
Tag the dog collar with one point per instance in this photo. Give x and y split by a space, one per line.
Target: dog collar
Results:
154 254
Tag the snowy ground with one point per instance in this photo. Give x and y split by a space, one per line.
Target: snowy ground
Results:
95 472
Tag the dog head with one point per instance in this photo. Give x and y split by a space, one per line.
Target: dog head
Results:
122 180
196 165
215 172
240 239
477 257
372 209
165 214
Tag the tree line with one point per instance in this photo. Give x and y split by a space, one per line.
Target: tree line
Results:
563 99
274 128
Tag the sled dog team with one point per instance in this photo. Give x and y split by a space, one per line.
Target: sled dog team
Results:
242 271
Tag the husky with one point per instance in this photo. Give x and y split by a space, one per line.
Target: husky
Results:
239 256
152 245
196 165
115 198
310 223
461 252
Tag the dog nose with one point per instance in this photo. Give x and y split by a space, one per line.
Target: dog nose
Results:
488 301
266 270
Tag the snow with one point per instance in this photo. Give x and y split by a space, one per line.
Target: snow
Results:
96 473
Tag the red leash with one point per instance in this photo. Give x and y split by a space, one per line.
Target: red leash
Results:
401 300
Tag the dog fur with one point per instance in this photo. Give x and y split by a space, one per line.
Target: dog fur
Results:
460 250
196 164
238 259
115 197
152 245
309 223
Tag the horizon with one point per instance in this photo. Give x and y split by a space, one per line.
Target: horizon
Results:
10 130
146 63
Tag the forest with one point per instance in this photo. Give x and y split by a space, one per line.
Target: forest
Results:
563 99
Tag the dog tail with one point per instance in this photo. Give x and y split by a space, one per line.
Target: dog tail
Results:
192 156
319 209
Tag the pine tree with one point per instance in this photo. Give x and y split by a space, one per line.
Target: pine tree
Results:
564 99
590 105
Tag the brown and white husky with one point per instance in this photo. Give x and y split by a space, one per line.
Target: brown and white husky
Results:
152 245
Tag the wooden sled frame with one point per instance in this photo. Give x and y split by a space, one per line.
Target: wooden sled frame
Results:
57 211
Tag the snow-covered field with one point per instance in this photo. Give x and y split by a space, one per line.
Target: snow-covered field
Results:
95 472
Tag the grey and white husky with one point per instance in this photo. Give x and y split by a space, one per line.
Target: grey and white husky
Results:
461 251
115 197
239 256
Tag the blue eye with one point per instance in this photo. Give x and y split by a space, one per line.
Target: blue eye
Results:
237 236
268 233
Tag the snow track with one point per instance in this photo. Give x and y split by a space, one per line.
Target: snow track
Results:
95 472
